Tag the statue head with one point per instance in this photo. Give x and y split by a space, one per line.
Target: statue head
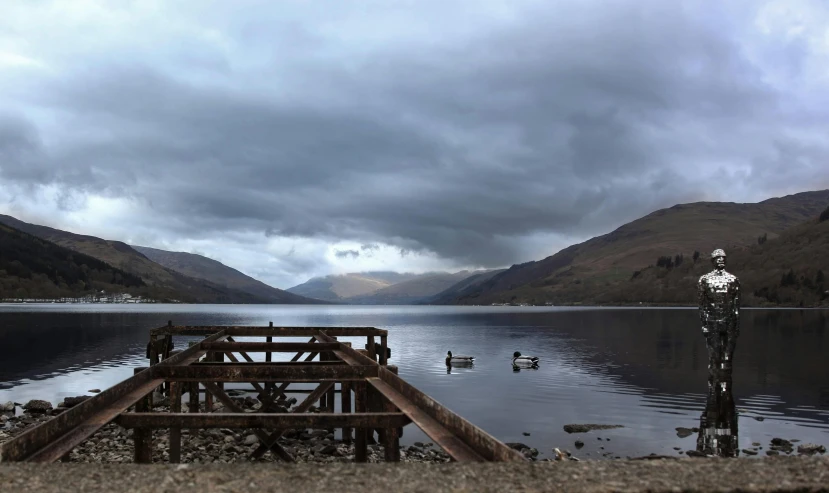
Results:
718 258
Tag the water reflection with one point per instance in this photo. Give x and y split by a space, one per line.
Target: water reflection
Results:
642 368
718 433
517 368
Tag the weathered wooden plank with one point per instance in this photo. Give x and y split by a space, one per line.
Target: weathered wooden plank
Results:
246 373
261 420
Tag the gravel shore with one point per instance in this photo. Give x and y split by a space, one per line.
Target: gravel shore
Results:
800 474
114 444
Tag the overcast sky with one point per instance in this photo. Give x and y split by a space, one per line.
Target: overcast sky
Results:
290 139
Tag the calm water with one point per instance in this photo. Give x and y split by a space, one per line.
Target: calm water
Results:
641 368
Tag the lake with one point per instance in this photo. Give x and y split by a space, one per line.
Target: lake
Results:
644 369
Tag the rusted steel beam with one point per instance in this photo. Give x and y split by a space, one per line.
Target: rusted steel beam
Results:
260 420
384 344
230 404
481 443
360 434
245 373
274 347
45 443
300 408
345 407
51 439
267 331
142 438
175 431
450 443
273 364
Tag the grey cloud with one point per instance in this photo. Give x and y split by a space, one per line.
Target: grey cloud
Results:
549 124
346 253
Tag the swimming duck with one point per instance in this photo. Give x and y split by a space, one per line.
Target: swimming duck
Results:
458 359
517 360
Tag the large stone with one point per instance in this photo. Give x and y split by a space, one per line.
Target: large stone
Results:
683 432
251 440
517 446
584 428
7 407
38 406
811 449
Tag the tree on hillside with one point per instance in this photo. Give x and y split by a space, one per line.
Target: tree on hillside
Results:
788 279
696 256
824 215
762 239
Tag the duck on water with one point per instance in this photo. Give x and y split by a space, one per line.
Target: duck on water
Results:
525 361
458 360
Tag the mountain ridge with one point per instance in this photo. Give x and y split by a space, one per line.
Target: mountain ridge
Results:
164 282
576 273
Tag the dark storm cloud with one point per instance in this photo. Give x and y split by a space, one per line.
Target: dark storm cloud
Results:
570 119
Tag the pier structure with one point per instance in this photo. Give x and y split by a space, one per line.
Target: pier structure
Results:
372 397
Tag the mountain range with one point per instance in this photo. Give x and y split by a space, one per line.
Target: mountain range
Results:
603 270
778 247
381 288
216 283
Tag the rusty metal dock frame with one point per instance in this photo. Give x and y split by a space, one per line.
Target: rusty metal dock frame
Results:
383 402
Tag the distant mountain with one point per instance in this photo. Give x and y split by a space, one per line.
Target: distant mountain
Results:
415 290
585 273
163 283
343 286
31 267
200 267
379 287
465 285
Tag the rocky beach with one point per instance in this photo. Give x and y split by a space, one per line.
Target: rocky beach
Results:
113 444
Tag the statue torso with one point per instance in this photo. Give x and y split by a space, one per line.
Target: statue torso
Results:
718 293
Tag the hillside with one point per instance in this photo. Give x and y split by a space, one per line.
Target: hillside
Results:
200 267
789 270
162 282
467 284
415 290
31 267
343 286
582 273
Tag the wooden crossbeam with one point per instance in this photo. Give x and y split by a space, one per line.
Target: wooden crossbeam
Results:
244 373
258 420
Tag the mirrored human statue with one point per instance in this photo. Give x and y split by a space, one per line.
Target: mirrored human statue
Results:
719 311
718 434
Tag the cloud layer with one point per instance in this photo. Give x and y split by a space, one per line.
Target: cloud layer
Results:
293 139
